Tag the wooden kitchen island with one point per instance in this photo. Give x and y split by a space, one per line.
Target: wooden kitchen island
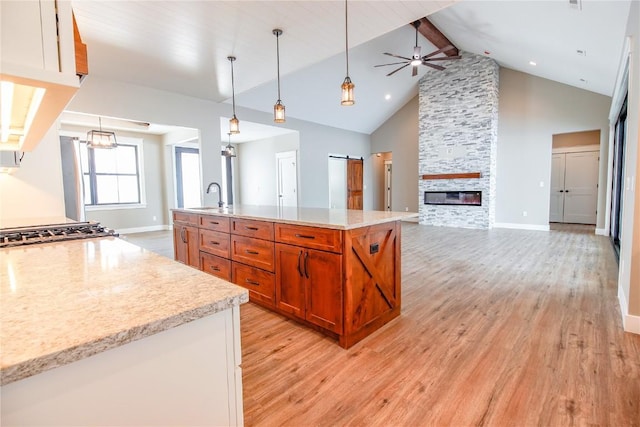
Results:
335 270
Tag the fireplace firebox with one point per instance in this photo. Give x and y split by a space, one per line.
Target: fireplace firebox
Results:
467 198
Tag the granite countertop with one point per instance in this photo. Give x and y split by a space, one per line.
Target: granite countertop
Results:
62 302
341 219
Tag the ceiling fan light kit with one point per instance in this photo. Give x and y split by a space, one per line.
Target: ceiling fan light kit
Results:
347 85
416 59
234 123
278 108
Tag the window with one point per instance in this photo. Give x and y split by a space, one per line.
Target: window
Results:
112 176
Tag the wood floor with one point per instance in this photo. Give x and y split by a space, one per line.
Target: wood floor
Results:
500 327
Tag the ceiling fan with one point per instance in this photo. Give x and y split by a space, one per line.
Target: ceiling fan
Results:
416 59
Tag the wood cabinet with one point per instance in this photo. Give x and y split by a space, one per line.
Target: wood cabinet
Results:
345 283
185 239
309 285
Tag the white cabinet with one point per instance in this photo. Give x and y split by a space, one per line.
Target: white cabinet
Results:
37 50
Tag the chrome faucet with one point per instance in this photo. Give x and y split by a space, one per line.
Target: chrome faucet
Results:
220 202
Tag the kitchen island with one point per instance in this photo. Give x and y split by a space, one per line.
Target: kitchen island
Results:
101 332
334 270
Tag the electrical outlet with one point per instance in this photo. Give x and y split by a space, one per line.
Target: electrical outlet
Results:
406 208
541 184
524 213
155 218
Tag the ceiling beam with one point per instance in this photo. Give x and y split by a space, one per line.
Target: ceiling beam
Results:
439 40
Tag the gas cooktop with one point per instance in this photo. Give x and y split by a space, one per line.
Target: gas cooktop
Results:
52 233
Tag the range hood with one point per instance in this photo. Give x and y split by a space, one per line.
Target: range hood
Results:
39 69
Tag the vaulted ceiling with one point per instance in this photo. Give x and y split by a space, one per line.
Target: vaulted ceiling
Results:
182 46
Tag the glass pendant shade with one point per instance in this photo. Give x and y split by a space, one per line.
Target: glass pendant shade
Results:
278 112
347 92
234 125
101 138
347 85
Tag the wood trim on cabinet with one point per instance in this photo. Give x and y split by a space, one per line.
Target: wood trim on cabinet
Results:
464 175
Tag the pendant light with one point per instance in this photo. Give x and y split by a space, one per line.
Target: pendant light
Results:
347 85
229 150
100 138
234 124
278 108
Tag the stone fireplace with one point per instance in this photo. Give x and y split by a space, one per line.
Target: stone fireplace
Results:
458 119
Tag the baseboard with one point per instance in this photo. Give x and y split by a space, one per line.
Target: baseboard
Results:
630 323
142 229
602 232
521 226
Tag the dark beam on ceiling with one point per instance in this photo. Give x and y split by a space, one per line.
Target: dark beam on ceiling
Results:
439 40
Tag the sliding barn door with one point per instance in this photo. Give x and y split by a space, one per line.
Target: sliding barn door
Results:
354 183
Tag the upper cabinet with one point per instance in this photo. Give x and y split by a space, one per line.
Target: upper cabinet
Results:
38 48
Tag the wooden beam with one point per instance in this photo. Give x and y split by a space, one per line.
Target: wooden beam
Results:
439 40
82 65
465 175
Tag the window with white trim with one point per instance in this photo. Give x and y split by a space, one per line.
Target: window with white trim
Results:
112 177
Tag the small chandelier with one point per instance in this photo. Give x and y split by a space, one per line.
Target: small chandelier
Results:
347 85
229 150
101 138
278 108
234 123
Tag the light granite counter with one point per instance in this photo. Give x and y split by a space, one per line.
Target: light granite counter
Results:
62 302
340 219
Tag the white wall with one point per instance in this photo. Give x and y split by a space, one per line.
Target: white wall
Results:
399 135
105 97
256 180
629 275
531 111
35 190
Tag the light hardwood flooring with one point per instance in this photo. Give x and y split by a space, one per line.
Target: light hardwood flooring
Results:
499 327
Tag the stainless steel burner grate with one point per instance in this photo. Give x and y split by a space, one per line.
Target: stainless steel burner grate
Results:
52 233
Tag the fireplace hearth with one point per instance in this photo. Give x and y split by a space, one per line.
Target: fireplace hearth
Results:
466 198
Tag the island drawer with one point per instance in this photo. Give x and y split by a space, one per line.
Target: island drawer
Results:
215 223
255 252
215 265
214 242
261 284
186 218
252 228
325 239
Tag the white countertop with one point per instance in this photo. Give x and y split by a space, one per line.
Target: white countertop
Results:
61 302
341 219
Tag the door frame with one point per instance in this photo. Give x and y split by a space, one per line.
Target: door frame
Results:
286 155
177 153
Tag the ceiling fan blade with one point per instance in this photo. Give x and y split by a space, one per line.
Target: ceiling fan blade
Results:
444 49
437 67
397 56
392 63
395 71
444 58
414 71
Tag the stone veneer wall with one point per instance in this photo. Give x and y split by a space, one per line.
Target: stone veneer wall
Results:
458 121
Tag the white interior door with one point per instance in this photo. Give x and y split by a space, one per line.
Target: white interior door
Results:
556 206
387 185
581 187
287 170
337 183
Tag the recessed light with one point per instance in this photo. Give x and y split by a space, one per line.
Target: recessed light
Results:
532 63
387 96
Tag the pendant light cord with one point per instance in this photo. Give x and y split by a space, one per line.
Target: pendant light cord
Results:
346 35
278 61
233 90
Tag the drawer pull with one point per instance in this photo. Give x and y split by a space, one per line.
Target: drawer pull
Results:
250 252
215 268
214 243
305 236
214 222
252 282
251 228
